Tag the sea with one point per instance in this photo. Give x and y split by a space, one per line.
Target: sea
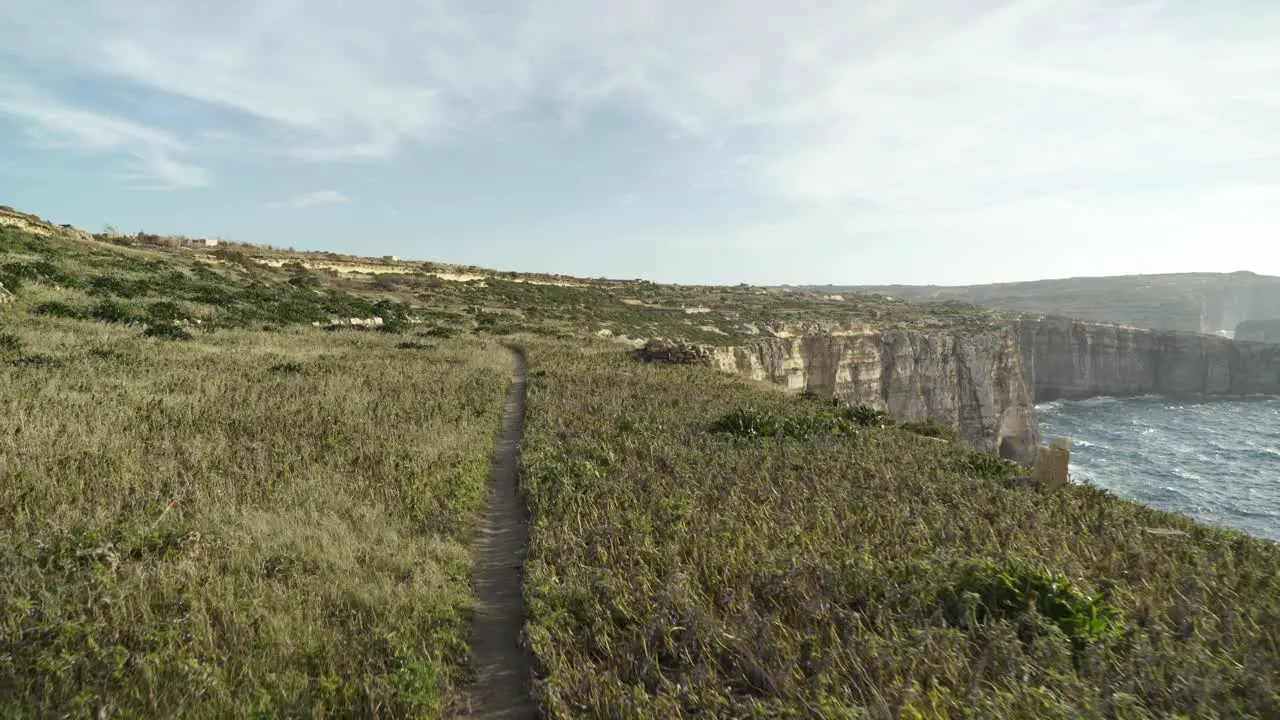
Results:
1215 461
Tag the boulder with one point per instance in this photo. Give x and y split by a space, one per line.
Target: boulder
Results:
666 352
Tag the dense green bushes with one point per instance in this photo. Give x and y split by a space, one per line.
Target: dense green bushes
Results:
831 418
166 331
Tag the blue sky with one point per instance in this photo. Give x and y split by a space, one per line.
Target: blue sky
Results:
906 141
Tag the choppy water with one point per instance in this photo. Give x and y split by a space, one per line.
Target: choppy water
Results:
1218 462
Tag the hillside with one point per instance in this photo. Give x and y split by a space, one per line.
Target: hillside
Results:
238 286
221 497
1194 302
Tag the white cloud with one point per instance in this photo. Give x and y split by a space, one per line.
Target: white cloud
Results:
155 155
314 199
1013 117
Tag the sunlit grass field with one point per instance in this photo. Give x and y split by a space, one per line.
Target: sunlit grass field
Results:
680 572
210 508
244 524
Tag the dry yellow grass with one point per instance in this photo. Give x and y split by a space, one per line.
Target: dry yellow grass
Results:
314 558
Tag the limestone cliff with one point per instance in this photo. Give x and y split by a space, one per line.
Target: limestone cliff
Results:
1242 297
984 383
1267 331
1065 358
972 382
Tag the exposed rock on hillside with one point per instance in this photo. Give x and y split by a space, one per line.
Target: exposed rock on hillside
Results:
667 352
1267 331
983 383
38 226
1065 358
970 382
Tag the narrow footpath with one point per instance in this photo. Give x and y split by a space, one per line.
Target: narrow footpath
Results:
503 668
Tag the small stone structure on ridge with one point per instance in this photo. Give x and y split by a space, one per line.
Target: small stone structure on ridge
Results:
666 352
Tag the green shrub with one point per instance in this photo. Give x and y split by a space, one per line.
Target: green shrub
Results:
304 281
413 345
931 429
166 331
15 274
746 423
165 311
391 328
59 309
112 312
829 420
803 427
13 240
10 345
211 293
235 257
440 331
496 325
293 311
288 368
110 285
39 361
1005 591
864 415
991 467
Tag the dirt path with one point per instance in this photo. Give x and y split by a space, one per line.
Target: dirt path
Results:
502 666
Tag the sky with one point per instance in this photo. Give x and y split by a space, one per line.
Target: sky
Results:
805 142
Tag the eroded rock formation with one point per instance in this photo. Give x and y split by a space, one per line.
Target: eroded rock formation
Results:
970 382
1065 358
1267 331
984 383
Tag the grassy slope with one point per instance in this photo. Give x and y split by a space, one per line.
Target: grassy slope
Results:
673 571
676 572
226 286
317 559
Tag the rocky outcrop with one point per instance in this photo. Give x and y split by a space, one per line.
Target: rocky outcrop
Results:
38 226
658 350
1238 298
27 223
972 382
1267 331
984 383
1065 358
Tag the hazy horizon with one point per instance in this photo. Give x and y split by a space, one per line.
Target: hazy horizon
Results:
729 142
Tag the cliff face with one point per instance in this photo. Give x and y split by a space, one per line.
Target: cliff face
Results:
1250 298
1064 358
985 384
973 383
1267 331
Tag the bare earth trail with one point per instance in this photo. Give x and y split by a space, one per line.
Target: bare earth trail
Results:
503 669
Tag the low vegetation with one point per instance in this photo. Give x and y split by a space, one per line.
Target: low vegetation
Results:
690 557
211 508
246 524
149 279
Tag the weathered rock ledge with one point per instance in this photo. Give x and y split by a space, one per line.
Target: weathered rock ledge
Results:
1258 331
984 383
1074 359
971 382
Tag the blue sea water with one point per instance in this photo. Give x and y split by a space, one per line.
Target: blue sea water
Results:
1218 462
